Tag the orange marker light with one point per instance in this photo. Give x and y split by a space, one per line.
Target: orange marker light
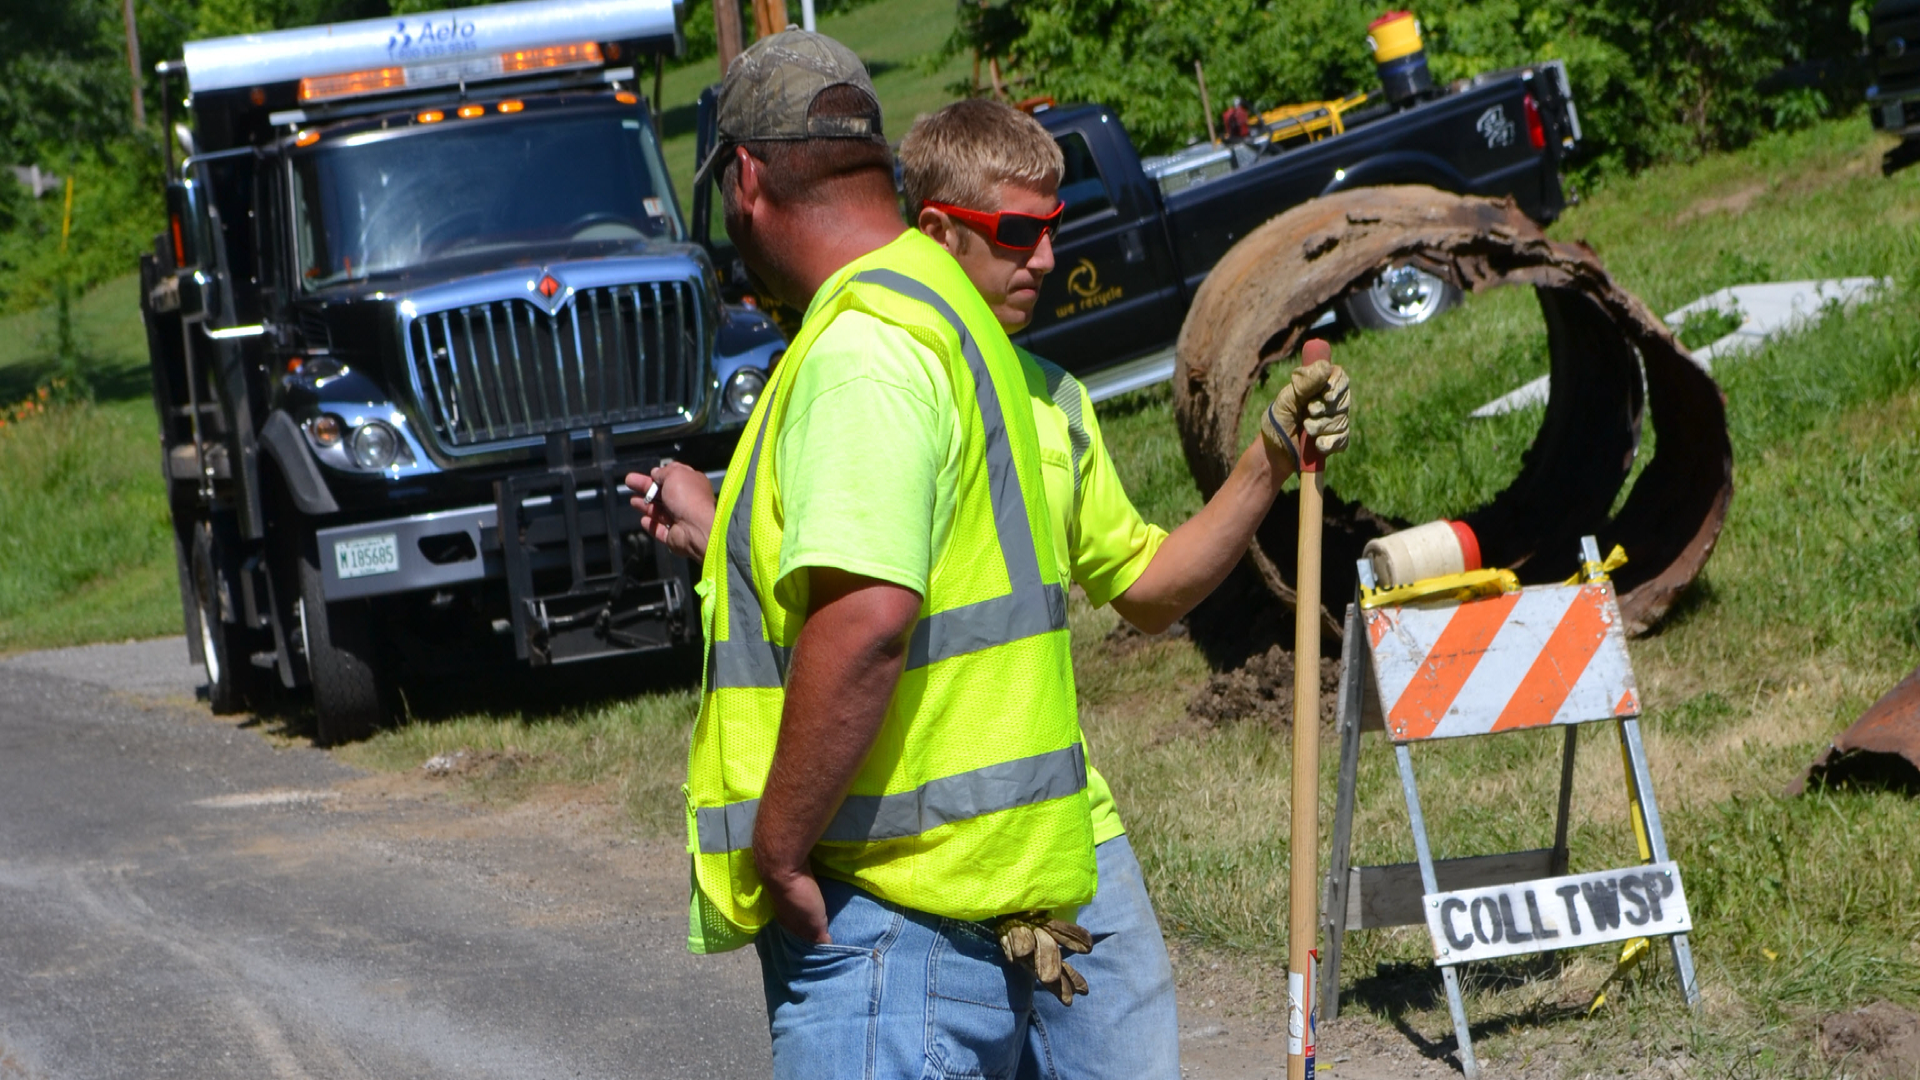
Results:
326 429
321 87
431 116
627 97
511 106
553 56
306 138
468 112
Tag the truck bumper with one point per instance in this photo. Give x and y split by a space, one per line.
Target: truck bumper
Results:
576 589
1894 112
401 555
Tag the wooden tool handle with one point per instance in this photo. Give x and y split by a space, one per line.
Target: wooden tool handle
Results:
1303 852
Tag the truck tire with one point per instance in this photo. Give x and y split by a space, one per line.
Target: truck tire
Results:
223 650
352 695
1399 297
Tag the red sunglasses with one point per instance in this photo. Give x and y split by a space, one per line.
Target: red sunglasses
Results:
1021 232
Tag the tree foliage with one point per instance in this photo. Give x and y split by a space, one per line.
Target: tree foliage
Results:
1654 80
66 98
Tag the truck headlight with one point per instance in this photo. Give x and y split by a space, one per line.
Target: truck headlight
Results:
374 445
743 390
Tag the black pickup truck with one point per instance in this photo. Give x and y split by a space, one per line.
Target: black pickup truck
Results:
1139 236
1893 101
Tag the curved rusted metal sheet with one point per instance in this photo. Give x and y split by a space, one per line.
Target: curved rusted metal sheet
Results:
1881 749
1612 362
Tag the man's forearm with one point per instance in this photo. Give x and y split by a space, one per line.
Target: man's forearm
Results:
845 666
1196 557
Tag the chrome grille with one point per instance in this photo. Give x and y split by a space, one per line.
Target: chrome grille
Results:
506 369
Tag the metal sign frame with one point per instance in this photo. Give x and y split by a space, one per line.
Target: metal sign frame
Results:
1409 894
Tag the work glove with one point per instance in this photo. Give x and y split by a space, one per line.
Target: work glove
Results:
1034 939
1314 403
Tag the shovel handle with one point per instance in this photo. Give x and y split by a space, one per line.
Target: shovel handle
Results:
1303 926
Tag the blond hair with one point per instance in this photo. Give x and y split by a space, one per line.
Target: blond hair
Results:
963 153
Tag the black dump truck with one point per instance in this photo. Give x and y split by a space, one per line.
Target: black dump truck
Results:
1893 101
424 297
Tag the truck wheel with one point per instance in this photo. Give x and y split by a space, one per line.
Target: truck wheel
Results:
351 693
222 649
1399 297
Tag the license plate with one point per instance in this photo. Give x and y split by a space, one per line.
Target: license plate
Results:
366 555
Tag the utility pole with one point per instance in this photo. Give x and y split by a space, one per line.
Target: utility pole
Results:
726 31
133 67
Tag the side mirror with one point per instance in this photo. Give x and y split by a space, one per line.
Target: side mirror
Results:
184 215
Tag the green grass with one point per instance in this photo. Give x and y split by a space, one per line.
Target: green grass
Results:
635 750
86 553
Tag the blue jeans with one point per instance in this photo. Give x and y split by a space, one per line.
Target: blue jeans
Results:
899 995
1125 1026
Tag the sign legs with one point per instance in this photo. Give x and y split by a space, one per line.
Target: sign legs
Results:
1657 843
1431 884
1333 910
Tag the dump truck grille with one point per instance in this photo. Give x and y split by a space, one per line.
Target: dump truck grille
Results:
508 369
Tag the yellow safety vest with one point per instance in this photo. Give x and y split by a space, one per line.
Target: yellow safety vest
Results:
972 802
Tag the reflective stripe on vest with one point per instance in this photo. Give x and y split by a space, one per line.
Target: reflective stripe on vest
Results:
746 659
1055 774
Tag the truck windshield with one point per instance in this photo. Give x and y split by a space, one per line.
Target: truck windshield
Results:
385 202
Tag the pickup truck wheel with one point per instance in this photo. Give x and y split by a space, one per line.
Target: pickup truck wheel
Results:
352 695
1399 297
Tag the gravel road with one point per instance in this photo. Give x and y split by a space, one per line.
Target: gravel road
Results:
183 895
180 897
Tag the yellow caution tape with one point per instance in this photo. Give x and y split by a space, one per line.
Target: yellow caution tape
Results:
1471 585
1591 572
1635 950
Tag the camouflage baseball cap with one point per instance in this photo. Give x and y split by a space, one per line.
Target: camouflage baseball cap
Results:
770 89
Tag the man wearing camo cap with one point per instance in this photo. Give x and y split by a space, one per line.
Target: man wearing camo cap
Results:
887 787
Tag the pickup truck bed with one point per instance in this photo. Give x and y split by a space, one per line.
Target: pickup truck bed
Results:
1132 250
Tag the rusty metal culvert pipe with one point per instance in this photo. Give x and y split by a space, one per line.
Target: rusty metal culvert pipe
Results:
1255 308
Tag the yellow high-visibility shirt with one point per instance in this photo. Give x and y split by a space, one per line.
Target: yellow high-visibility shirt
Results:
1100 539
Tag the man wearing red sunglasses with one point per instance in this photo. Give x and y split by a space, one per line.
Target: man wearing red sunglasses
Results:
983 181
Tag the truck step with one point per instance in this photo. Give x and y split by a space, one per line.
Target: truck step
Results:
183 464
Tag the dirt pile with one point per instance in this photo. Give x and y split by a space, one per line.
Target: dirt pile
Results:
1261 690
476 764
1878 1042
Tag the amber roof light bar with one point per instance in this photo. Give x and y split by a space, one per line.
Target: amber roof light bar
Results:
384 55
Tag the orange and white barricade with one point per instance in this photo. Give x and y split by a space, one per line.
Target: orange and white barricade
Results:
1419 670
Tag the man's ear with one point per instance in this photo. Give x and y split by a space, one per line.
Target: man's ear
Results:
746 173
940 229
